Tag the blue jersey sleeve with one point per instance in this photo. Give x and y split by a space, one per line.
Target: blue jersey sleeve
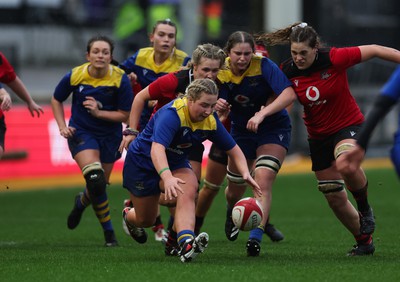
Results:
64 88
125 97
166 125
129 65
274 76
221 137
392 86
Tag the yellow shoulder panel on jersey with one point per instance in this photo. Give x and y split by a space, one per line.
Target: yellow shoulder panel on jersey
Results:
183 112
226 75
145 59
80 75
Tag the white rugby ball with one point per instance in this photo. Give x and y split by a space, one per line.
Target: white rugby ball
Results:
247 214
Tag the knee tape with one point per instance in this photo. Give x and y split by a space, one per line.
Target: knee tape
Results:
343 148
212 186
95 179
268 162
235 178
330 186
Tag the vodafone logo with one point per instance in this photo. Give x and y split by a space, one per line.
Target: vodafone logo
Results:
312 93
241 99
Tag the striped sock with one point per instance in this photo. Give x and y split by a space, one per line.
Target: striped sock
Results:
184 235
102 211
257 233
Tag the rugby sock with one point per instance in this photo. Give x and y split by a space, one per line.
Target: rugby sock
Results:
184 235
170 222
158 224
198 224
361 197
83 201
257 233
102 211
363 239
228 211
172 238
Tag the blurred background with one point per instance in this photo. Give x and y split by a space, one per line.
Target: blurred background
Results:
44 39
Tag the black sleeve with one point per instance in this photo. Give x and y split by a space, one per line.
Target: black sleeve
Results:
379 110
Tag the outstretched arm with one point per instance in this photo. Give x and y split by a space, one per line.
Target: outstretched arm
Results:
353 159
377 51
160 162
237 156
19 88
285 99
138 105
58 112
5 100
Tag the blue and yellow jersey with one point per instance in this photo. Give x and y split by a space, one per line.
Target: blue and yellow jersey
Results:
248 92
113 92
143 65
171 126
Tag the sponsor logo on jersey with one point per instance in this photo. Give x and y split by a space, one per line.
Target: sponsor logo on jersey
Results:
241 99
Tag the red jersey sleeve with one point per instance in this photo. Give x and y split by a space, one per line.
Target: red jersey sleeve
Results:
7 73
163 89
345 58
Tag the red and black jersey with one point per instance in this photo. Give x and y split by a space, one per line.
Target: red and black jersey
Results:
168 87
323 90
7 73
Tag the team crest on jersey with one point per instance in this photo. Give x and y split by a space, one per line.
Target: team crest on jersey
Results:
145 72
81 88
325 75
253 82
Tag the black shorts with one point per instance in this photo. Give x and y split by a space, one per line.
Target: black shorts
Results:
196 154
322 151
218 155
2 131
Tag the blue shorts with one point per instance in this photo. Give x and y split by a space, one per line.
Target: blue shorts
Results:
107 145
140 177
277 132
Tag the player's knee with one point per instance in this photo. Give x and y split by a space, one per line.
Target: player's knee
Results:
170 203
330 186
343 148
212 186
95 179
235 178
268 162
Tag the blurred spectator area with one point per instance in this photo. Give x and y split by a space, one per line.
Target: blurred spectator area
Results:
45 38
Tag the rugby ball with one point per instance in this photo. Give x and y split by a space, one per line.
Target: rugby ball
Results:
247 214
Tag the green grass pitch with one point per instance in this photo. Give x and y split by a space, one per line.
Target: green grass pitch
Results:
35 244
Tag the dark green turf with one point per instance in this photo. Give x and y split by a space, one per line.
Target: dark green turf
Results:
35 244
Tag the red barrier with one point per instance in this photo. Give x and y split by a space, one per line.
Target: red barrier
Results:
38 148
